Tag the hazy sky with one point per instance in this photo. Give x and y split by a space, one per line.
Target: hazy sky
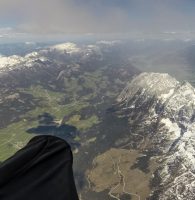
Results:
95 16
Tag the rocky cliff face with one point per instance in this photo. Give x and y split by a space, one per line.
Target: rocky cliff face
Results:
161 113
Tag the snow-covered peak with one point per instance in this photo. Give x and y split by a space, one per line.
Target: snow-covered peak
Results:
155 84
177 99
67 47
32 55
10 61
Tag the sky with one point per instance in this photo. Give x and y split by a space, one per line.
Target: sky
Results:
89 17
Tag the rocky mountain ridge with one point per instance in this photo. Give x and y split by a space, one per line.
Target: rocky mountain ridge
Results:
162 116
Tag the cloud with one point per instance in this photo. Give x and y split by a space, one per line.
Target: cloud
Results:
96 16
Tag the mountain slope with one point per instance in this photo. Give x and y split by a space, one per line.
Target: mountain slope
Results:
162 121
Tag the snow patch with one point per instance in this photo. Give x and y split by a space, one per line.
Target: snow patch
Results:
167 95
173 128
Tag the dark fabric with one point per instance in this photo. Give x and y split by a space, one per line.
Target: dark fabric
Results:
41 170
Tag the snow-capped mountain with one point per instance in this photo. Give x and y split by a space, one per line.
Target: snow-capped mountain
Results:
60 52
16 62
161 113
37 58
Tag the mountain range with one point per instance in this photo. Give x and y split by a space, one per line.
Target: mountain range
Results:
133 130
